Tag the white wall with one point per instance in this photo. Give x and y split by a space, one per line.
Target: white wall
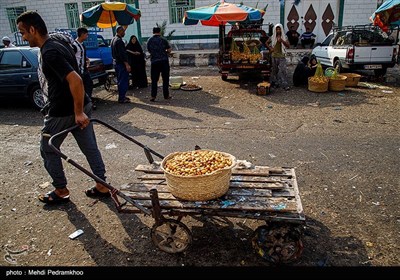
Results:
53 12
358 11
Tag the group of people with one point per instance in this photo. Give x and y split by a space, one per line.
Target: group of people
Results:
277 46
306 39
305 68
131 59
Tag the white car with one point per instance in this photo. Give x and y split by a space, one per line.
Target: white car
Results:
358 47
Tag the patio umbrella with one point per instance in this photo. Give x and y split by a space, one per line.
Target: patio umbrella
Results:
387 14
222 13
109 14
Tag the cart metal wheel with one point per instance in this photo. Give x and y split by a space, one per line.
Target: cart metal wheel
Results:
224 77
171 236
278 243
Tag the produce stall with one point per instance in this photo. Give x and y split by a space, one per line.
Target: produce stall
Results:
241 51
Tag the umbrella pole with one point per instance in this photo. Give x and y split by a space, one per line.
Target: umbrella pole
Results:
222 36
112 28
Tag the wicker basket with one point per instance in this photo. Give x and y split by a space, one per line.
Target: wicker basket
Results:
200 187
318 87
263 88
337 84
352 79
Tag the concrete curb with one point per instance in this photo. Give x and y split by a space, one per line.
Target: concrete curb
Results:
198 58
210 57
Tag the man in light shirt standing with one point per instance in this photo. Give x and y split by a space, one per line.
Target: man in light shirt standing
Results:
83 61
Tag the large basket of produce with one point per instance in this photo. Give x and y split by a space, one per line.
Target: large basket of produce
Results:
352 79
198 175
318 82
337 83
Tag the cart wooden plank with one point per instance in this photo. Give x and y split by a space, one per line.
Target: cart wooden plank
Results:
234 178
257 170
141 192
234 203
241 189
276 185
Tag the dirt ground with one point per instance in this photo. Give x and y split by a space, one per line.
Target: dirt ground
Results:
344 146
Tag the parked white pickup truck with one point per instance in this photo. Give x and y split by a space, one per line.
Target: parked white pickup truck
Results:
359 47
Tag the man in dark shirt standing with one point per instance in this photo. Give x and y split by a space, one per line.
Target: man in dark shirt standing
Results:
67 105
159 50
121 65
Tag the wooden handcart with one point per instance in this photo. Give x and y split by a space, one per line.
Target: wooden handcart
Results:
258 192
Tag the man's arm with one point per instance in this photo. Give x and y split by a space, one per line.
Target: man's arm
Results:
122 54
87 62
168 47
132 52
78 94
268 44
285 43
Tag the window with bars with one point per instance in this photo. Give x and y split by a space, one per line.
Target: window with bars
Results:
177 9
88 5
12 14
127 1
72 15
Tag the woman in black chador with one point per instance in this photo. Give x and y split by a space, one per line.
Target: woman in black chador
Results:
137 62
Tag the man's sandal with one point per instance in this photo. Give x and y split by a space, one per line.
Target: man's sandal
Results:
55 199
93 192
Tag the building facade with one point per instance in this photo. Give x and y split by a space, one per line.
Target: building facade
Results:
319 15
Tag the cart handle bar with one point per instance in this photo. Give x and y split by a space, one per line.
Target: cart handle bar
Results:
93 176
147 150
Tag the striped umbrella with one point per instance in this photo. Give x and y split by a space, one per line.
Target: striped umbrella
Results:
387 14
222 13
109 14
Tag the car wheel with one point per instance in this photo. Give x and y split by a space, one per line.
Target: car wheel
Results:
338 65
36 97
107 84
